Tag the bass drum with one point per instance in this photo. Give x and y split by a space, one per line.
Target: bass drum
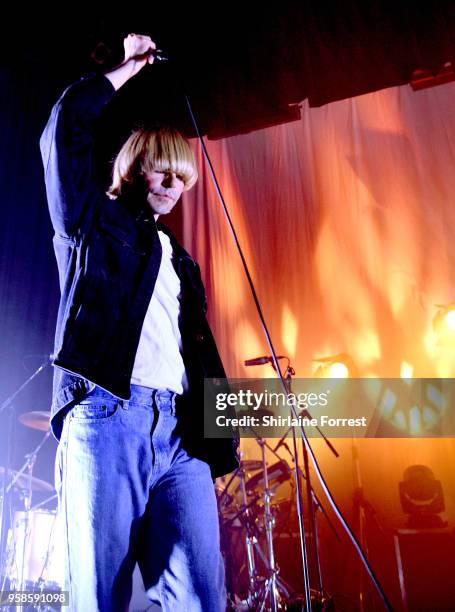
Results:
35 557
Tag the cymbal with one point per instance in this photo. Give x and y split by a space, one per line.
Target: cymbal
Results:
24 481
36 420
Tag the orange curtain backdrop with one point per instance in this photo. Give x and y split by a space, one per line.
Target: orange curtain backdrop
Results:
347 221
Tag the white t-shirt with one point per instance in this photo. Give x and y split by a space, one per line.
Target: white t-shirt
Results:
159 363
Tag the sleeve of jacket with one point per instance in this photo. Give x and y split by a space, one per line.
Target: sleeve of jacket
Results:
67 152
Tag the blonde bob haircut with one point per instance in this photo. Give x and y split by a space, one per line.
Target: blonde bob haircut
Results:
162 149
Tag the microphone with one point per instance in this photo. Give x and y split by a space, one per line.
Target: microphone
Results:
262 360
158 54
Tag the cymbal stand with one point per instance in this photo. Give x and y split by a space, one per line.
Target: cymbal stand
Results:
270 583
250 541
30 460
262 591
7 406
303 543
6 504
256 581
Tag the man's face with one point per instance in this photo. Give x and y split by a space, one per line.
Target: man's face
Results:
164 189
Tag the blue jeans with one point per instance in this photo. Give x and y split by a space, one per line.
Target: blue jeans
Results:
129 493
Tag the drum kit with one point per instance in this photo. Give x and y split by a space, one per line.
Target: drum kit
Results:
30 555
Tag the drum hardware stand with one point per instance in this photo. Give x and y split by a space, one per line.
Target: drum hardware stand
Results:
269 590
251 540
303 545
252 533
246 516
6 504
270 585
5 494
30 460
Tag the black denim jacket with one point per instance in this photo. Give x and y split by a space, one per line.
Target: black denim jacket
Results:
108 256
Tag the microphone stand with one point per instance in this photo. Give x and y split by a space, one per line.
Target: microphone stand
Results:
363 510
309 492
358 506
311 495
303 544
268 337
9 400
297 472
306 582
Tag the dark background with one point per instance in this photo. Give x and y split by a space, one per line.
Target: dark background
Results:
243 66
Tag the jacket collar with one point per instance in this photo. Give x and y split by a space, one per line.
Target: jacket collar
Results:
133 207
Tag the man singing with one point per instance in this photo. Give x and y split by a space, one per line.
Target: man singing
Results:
132 347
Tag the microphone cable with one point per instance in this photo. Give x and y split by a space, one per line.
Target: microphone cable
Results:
338 512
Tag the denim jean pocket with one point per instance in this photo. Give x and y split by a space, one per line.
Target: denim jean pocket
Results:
100 410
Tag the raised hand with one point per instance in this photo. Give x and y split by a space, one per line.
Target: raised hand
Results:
138 52
139 47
